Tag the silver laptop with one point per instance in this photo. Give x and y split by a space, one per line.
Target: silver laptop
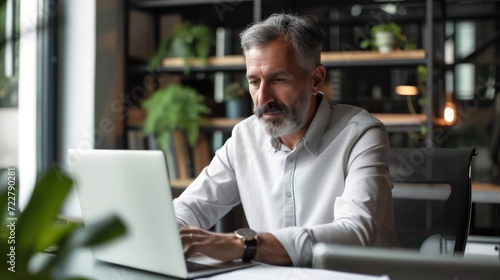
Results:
402 264
134 185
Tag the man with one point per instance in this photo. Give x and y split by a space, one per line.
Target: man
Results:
304 171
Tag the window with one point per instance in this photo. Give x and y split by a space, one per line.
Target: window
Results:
9 58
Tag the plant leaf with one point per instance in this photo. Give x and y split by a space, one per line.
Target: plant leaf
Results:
103 231
54 235
40 213
174 107
3 215
186 41
98 233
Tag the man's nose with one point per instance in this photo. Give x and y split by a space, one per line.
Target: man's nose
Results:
265 93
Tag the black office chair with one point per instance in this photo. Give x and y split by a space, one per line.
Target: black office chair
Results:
444 235
432 198
494 142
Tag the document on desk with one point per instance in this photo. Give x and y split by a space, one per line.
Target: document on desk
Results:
272 272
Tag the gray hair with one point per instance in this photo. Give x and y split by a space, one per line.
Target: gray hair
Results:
303 33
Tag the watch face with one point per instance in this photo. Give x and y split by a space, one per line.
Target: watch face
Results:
246 233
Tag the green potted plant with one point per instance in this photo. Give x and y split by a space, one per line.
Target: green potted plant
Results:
39 228
186 41
387 37
421 84
174 107
233 96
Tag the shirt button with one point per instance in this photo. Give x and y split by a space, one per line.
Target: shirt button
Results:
288 194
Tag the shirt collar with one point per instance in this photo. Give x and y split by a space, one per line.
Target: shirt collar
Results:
275 143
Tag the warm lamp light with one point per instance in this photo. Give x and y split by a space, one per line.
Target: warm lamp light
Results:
406 90
450 113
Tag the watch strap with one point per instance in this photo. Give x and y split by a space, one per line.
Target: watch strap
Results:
250 250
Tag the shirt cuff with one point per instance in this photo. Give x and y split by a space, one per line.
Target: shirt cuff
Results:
298 244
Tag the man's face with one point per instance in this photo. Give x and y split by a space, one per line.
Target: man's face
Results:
280 90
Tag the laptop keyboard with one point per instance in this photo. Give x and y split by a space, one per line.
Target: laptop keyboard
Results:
193 266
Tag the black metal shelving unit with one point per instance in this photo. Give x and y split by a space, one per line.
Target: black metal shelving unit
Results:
263 8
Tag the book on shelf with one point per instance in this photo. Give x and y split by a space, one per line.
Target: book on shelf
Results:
183 162
201 154
170 158
182 157
136 139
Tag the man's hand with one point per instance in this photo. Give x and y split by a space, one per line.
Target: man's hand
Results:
228 247
220 246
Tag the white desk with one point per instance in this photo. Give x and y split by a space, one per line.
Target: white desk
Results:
264 272
81 263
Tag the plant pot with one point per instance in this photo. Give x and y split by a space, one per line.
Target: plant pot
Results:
384 41
234 108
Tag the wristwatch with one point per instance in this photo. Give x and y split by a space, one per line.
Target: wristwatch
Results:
249 239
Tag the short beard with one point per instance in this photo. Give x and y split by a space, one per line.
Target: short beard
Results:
295 116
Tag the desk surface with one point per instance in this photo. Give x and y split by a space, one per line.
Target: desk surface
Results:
81 263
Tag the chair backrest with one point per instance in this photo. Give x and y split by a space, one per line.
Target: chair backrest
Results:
421 176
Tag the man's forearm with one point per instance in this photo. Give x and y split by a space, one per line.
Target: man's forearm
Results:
270 250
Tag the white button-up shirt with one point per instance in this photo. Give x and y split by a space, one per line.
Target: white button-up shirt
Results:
334 187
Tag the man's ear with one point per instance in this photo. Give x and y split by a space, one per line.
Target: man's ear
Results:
318 77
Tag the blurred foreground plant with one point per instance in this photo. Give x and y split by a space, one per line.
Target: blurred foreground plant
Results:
24 235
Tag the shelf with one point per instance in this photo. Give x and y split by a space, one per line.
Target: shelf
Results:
180 183
136 117
485 193
224 124
401 119
155 4
372 58
225 63
481 192
329 59
393 122
402 122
